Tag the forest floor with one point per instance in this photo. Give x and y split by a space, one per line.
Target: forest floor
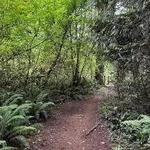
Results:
69 125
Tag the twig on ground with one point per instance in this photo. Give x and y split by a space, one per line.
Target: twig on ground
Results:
92 129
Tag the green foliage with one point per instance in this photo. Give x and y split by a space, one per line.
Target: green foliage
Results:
129 129
118 148
14 99
39 108
3 146
40 43
138 129
13 120
109 73
24 130
34 108
15 115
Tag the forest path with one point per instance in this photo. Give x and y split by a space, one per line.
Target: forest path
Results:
68 127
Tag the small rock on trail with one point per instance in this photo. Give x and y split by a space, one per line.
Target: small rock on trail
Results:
68 128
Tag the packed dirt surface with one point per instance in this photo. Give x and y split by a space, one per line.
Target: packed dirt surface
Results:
69 126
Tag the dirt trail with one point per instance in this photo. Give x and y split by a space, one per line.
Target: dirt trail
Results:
67 129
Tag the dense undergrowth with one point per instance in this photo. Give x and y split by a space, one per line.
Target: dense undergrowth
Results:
130 127
19 116
123 34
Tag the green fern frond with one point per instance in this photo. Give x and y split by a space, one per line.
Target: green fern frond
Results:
3 146
24 108
136 123
3 143
42 96
45 105
4 109
25 130
7 148
13 99
1 117
16 120
38 126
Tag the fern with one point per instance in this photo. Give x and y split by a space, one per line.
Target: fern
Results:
15 99
24 130
45 105
16 120
12 123
7 148
15 115
3 146
139 128
42 96
39 108
3 143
